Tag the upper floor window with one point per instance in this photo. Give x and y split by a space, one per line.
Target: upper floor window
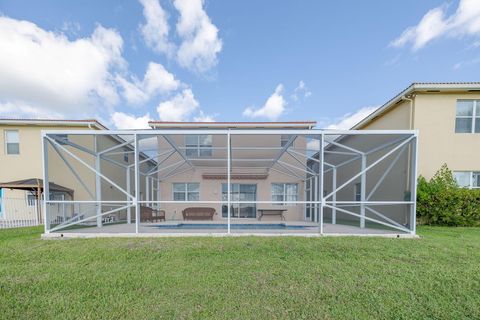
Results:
468 116
284 139
198 145
12 142
467 179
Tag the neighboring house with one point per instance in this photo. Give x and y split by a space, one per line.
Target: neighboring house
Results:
22 170
447 116
21 163
255 176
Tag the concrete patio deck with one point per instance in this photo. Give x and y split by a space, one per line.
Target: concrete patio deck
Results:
170 229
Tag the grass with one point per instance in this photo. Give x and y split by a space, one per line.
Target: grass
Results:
437 276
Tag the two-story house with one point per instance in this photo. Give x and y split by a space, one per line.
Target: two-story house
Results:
447 116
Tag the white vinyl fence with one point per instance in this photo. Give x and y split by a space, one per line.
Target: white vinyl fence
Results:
19 212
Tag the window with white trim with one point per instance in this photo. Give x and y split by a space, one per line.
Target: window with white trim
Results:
467 118
186 191
12 142
284 192
467 179
31 199
284 139
198 145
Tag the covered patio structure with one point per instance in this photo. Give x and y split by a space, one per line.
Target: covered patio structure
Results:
230 181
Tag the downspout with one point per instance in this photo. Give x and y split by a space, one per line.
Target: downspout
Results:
412 111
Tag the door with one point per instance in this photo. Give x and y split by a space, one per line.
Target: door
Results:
240 192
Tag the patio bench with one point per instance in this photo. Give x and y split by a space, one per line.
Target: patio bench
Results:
198 213
271 212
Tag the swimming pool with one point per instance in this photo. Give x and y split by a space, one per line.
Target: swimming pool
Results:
271 226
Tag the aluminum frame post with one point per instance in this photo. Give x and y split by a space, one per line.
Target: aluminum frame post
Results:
413 181
320 182
228 180
363 181
98 184
46 189
137 184
334 196
129 209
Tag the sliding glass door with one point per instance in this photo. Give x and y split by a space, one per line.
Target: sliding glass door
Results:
240 192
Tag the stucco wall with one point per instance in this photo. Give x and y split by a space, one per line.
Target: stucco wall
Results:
438 143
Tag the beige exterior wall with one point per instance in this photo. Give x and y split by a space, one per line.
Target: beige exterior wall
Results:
434 117
398 118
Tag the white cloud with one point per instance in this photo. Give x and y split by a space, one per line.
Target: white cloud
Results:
127 121
47 71
155 30
200 42
157 80
348 120
301 92
179 107
435 24
273 108
202 117
20 110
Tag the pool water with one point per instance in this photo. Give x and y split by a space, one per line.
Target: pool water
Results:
233 226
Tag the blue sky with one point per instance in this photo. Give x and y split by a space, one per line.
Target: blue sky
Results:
126 62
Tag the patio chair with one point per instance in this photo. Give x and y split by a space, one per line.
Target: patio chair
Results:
146 214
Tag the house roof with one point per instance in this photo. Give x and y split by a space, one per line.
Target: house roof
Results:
34 183
235 124
54 122
426 87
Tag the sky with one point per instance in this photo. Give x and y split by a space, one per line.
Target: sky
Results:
128 62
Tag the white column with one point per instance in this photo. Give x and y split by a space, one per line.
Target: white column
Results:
413 182
129 191
363 181
228 181
147 189
46 189
98 184
315 198
137 184
320 182
334 196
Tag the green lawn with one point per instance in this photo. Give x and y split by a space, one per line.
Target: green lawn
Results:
437 276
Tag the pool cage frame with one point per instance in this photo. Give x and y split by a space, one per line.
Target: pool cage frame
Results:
320 200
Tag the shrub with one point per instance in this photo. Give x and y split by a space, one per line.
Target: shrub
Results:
441 202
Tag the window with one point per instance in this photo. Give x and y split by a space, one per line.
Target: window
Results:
31 200
284 192
61 138
186 191
284 139
12 142
240 192
198 145
358 192
125 155
467 118
467 179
